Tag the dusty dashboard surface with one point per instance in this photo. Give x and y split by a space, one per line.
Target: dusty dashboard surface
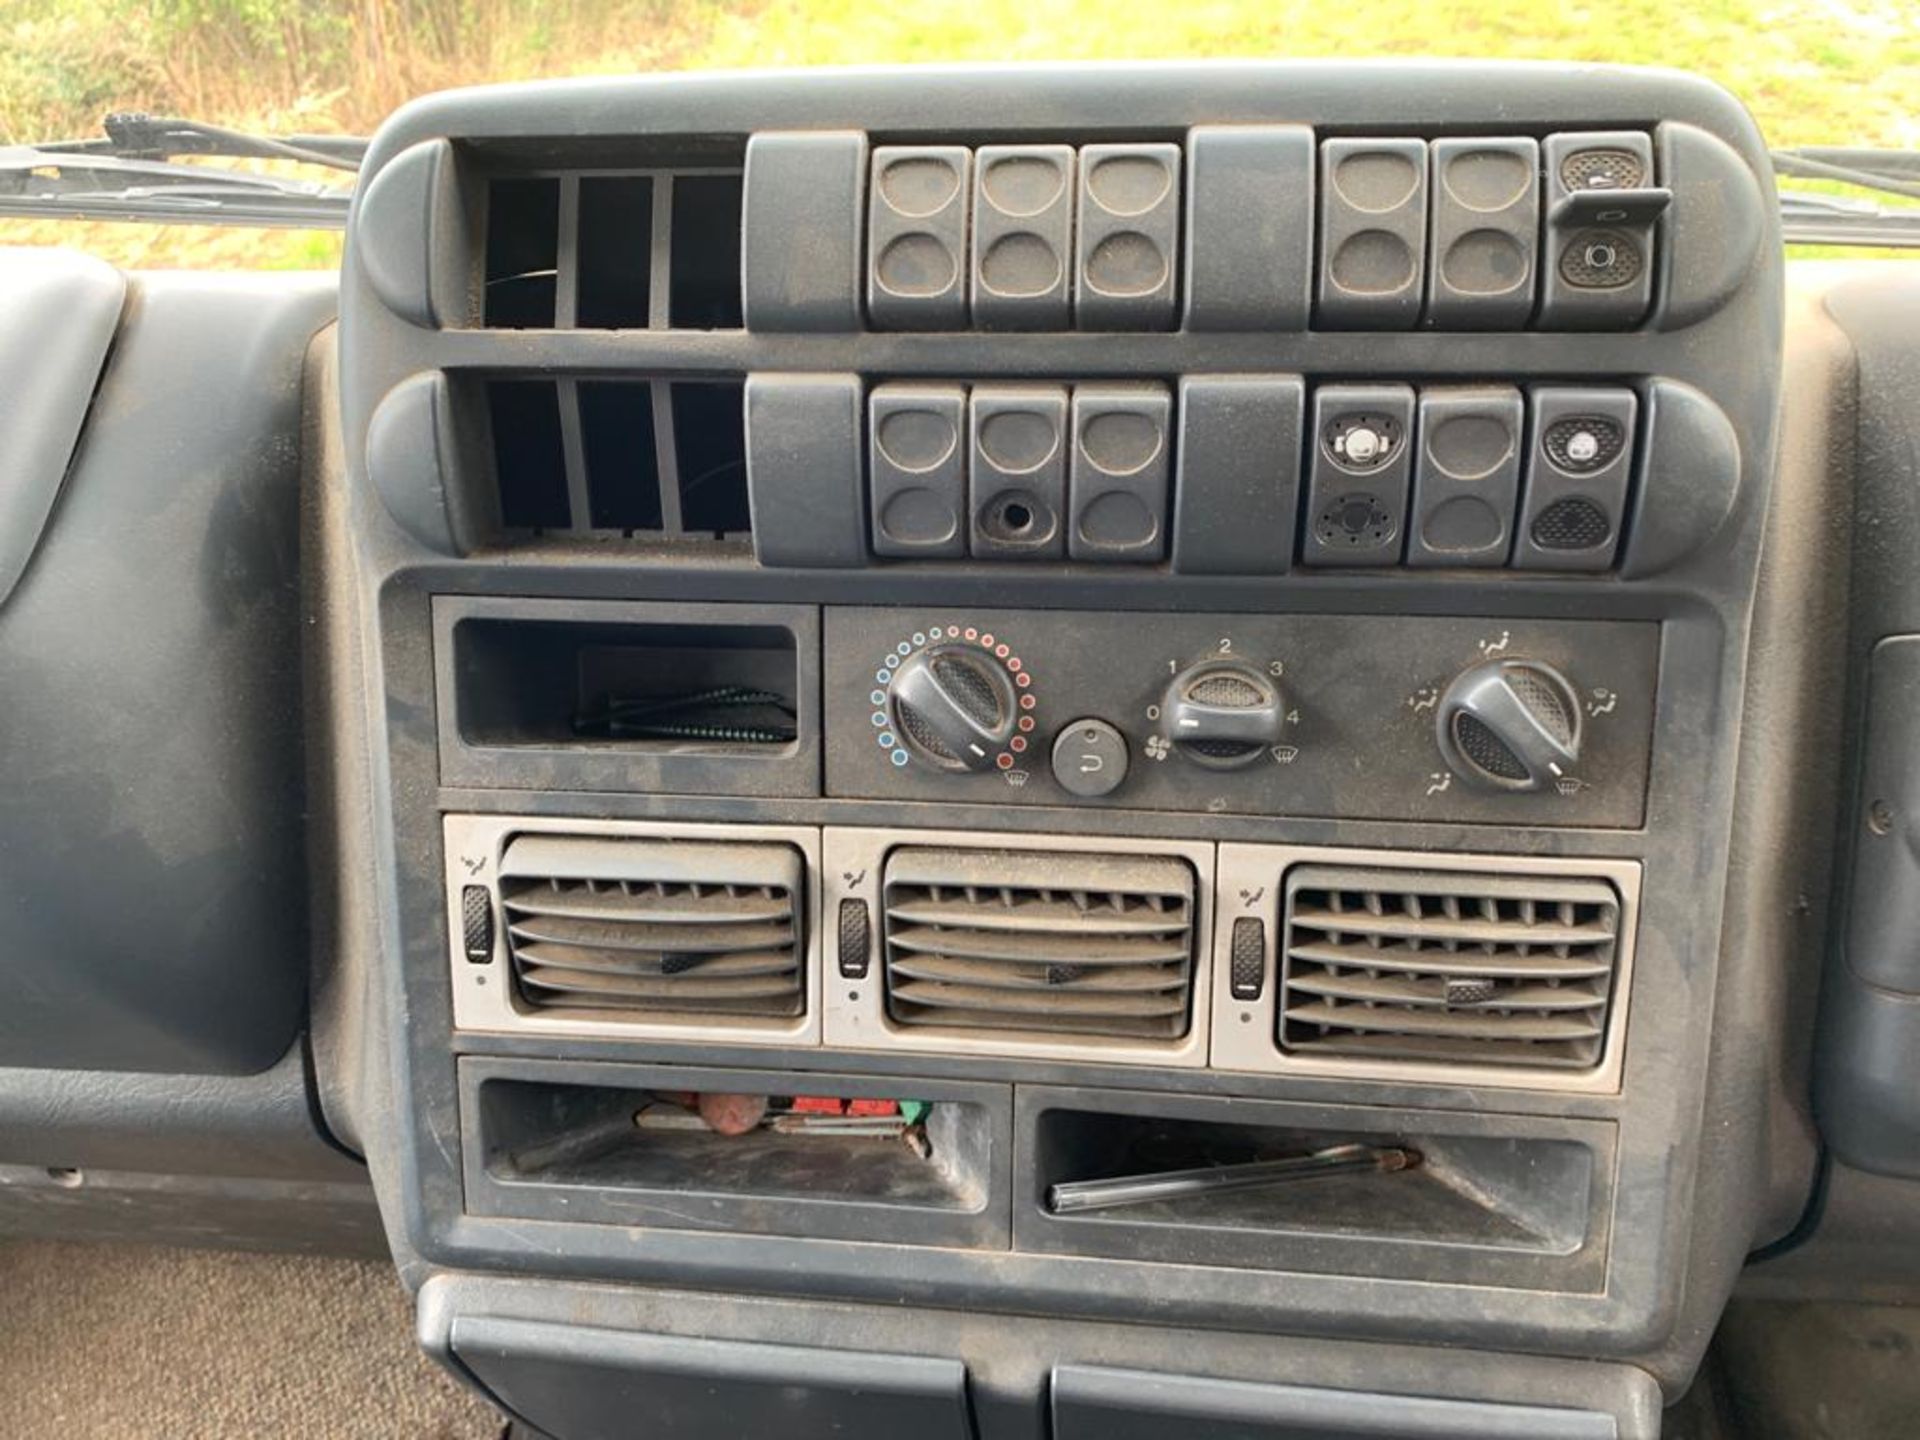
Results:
1080 623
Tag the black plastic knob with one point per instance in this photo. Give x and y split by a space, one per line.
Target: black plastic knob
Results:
954 706
1511 725
1223 714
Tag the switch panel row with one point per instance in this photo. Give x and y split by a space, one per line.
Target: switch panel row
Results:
1233 228
1011 471
1487 233
1023 237
1468 476
1239 474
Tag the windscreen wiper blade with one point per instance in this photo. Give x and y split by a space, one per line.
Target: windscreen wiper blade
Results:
1893 172
95 184
1807 219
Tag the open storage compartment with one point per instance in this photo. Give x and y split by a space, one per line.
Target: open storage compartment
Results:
561 1140
1490 1200
592 695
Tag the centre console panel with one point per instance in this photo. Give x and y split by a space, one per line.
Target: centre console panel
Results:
1166 615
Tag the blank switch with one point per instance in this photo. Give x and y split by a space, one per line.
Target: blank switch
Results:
1466 476
1128 236
1486 225
1022 236
917 237
1373 233
1117 491
917 465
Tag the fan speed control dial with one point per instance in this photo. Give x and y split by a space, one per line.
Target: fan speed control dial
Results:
1222 714
1510 725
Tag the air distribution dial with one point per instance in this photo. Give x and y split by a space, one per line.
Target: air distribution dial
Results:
1511 725
1223 714
954 698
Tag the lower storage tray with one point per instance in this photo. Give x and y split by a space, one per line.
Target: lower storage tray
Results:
1501 1200
563 1140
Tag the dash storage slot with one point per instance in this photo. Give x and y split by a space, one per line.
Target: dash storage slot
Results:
1501 1200
622 1145
567 695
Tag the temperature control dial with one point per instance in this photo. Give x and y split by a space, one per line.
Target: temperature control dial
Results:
1223 714
956 699
1510 725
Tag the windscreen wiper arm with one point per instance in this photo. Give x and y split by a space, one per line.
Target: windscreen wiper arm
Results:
84 186
1808 218
134 135
131 174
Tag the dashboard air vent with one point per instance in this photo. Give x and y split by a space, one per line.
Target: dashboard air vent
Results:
613 250
1392 964
1030 940
620 459
655 928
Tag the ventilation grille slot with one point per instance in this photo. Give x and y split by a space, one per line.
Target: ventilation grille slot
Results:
619 459
1433 965
1027 940
655 929
623 250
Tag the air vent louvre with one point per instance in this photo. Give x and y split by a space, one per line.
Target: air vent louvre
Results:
620 459
1098 945
1391 964
613 250
655 928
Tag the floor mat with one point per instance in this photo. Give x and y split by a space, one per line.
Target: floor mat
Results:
111 1342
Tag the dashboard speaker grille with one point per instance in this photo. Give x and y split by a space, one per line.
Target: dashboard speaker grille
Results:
1030 940
1440 965
655 927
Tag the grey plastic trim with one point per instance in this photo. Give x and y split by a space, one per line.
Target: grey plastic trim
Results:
411 232
576 1381
1251 878
59 312
1237 496
853 865
1883 918
1690 465
1096 1403
804 439
802 217
1713 231
1249 240
1013 1358
476 853
411 447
